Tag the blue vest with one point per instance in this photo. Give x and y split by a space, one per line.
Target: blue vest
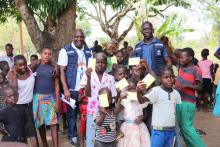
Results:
156 55
71 69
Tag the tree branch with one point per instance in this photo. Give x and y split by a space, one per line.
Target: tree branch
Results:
166 7
30 22
125 32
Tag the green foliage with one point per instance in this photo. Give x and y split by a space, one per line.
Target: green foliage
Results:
114 3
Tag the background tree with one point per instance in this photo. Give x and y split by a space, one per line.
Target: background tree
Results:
110 23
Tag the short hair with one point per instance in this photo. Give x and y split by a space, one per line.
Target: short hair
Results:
9 87
46 47
101 54
147 22
205 52
119 67
189 51
3 63
165 68
79 30
34 56
9 45
125 43
19 57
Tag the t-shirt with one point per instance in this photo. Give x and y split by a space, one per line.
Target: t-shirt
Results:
44 80
81 66
188 76
14 120
204 66
164 106
107 131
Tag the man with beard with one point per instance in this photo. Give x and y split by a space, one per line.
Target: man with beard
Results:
151 49
72 60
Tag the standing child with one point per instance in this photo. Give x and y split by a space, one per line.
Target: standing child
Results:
83 101
46 98
206 67
106 123
95 80
189 80
134 130
164 99
12 117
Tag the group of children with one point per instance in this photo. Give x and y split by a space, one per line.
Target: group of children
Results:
123 122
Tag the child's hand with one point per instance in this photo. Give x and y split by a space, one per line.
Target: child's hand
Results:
138 120
88 72
102 109
123 95
141 86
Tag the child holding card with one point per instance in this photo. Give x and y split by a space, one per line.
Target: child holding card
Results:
105 121
135 131
164 99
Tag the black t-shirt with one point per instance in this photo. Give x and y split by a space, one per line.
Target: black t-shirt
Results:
14 120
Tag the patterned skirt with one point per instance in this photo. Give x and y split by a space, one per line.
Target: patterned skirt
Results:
44 110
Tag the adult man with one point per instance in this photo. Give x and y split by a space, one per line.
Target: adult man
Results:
151 50
72 60
9 57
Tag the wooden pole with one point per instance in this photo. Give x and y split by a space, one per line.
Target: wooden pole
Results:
21 39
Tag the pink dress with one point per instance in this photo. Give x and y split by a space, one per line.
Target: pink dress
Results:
134 135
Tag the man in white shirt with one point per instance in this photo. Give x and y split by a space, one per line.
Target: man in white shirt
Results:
73 59
9 57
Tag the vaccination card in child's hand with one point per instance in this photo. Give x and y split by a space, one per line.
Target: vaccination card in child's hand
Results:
114 60
92 63
148 80
121 84
134 61
132 96
103 100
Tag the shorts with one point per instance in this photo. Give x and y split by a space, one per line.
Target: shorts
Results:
207 85
30 130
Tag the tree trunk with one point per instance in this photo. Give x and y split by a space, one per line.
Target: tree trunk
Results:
56 33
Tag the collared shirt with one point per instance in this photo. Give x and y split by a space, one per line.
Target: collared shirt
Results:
147 51
107 81
10 60
81 67
188 76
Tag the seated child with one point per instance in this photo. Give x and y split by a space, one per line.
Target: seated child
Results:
106 123
13 118
164 99
135 131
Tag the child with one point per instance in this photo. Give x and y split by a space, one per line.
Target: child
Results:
164 99
134 130
13 118
95 80
120 58
189 80
110 52
4 67
206 67
83 101
106 123
46 98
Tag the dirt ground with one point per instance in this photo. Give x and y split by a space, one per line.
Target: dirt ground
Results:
203 120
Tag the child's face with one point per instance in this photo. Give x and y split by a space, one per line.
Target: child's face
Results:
131 87
120 74
120 57
21 66
46 55
167 79
6 69
184 58
111 50
100 64
11 98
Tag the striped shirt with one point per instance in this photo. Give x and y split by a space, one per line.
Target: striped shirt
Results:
106 132
188 76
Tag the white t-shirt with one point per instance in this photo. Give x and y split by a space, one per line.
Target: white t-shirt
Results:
25 90
8 59
63 61
164 110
